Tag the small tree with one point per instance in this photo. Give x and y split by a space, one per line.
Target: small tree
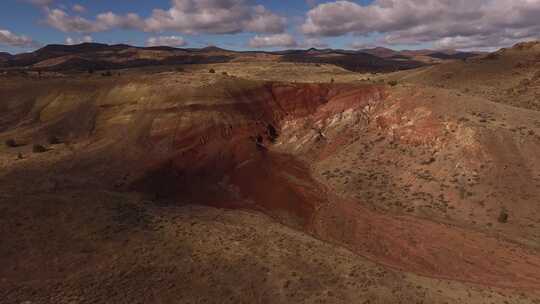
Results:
212 71
11 143
393 83
503 216
39 149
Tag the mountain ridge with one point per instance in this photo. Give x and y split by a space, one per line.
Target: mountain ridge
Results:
100 56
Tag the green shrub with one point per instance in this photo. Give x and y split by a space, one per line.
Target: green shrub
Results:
503 216
393 83
39 149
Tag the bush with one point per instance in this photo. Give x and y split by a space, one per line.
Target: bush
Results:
393 83
212 71
225 74
272 133
53 140
503 216
11 143
39 149
107 74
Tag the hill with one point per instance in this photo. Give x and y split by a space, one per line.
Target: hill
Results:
96 56
182 181
5 56
508 76
353 61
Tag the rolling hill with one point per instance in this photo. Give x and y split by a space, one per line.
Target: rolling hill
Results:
98 56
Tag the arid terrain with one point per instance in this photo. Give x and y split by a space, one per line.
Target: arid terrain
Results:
160 175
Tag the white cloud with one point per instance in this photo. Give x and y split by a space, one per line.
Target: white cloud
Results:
495 22
78 8
173 41
11 39
264 21
277 40
216 17
72 41
60 20
185 16
64 22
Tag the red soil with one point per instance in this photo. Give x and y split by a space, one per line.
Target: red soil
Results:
245 174
428 248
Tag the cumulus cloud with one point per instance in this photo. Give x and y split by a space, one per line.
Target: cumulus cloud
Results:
61 20
72 41
10 39
173 41
78 8
276 40
185 16
216 17
264 21
449 23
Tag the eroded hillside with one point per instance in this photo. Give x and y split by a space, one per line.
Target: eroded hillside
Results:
176 185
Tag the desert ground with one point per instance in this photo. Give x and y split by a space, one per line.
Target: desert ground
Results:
260 180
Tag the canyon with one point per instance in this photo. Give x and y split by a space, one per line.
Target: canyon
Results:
216 181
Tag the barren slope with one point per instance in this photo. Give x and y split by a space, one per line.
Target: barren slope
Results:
411 180
510 76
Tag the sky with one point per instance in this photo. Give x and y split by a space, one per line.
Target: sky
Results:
26 25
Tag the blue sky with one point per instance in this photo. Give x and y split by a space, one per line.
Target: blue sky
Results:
269 24
24 18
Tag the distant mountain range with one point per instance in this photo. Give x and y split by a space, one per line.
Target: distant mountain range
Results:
419 54
97 56
5 56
